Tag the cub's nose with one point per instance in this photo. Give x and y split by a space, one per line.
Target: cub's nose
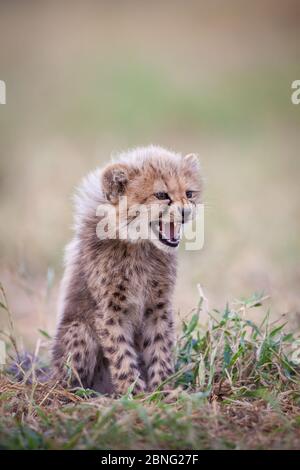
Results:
185 214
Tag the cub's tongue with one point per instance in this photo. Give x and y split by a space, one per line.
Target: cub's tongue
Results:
169 230
172 230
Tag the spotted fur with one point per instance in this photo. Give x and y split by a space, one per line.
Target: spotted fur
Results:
116 323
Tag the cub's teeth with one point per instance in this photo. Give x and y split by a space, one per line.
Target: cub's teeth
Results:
177 229
165 236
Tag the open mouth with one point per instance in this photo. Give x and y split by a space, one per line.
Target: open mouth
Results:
168 233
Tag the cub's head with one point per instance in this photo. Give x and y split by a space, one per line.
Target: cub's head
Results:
154 192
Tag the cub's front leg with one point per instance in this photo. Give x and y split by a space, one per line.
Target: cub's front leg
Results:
115 331
158 343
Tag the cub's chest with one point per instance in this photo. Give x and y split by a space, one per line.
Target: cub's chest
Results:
140 272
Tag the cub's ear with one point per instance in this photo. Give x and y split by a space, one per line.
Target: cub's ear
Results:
114 180
191 162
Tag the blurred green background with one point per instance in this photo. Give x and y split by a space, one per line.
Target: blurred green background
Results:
85 79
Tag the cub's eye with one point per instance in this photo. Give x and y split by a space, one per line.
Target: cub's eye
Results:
189 194
162 195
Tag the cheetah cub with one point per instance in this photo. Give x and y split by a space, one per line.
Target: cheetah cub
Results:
116 326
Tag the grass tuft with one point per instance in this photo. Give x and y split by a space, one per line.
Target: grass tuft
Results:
237 386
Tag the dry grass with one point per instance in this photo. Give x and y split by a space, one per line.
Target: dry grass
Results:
237 387
44 417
